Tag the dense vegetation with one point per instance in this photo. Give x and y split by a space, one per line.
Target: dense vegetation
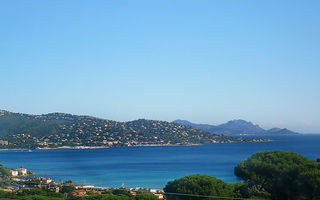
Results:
44 194
59 129
4 176
274 175
197 185
282 175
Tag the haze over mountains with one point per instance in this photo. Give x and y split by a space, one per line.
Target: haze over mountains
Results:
236 128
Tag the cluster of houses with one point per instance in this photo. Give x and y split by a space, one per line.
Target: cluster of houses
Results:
19 172
157 192
83 191
80 191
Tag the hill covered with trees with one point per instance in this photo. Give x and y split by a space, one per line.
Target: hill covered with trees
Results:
60 129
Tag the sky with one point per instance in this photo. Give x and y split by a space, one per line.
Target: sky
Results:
203 61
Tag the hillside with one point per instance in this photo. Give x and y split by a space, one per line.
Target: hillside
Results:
60 129
237 128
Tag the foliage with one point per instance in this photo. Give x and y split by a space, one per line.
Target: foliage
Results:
145 196
198 185
284 175
67 189
4 175
68 182
32 194
4 171
121 191
106 197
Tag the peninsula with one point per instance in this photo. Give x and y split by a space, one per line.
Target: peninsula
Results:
61 130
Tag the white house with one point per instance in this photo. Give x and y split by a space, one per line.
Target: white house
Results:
45 180
22 171
14 172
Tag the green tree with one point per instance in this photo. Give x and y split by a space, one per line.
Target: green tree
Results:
121 191
285 175
146 196
68 182
4 175
198 185
105 197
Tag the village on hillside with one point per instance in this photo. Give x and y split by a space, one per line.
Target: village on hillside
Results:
21 178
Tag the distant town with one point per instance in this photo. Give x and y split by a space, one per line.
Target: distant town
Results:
21 178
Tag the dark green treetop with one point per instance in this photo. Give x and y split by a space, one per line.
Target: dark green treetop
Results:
198 185
285 175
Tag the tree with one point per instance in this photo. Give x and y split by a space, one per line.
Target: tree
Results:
146 196
121 191
68 182
198 185
4 171
105 197
285 175
67 189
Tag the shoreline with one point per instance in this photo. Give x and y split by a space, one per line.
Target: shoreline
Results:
142 145
99 147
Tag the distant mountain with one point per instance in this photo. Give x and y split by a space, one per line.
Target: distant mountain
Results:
237 128
282 131
61 129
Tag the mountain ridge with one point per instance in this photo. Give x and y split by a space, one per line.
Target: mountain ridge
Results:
237 128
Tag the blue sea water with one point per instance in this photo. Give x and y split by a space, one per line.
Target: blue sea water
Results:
150 167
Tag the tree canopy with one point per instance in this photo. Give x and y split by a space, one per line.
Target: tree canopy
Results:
284 175
198 185
145 196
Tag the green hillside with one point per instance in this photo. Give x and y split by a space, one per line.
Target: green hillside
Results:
60 129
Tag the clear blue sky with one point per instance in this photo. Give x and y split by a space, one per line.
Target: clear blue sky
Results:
204 61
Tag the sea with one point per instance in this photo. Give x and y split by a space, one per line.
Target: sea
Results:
150 167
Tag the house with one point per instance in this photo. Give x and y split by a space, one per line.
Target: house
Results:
3 142
14 172
22 171
79 193
160 196
54 188
45 180
158 193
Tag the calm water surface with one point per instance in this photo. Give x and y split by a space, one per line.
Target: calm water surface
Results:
150 167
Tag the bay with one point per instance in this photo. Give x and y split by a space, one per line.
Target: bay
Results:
150 167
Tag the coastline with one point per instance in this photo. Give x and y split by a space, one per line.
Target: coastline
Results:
98 147
141 145
117 161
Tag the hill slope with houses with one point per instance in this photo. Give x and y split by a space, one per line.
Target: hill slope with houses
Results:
18 130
